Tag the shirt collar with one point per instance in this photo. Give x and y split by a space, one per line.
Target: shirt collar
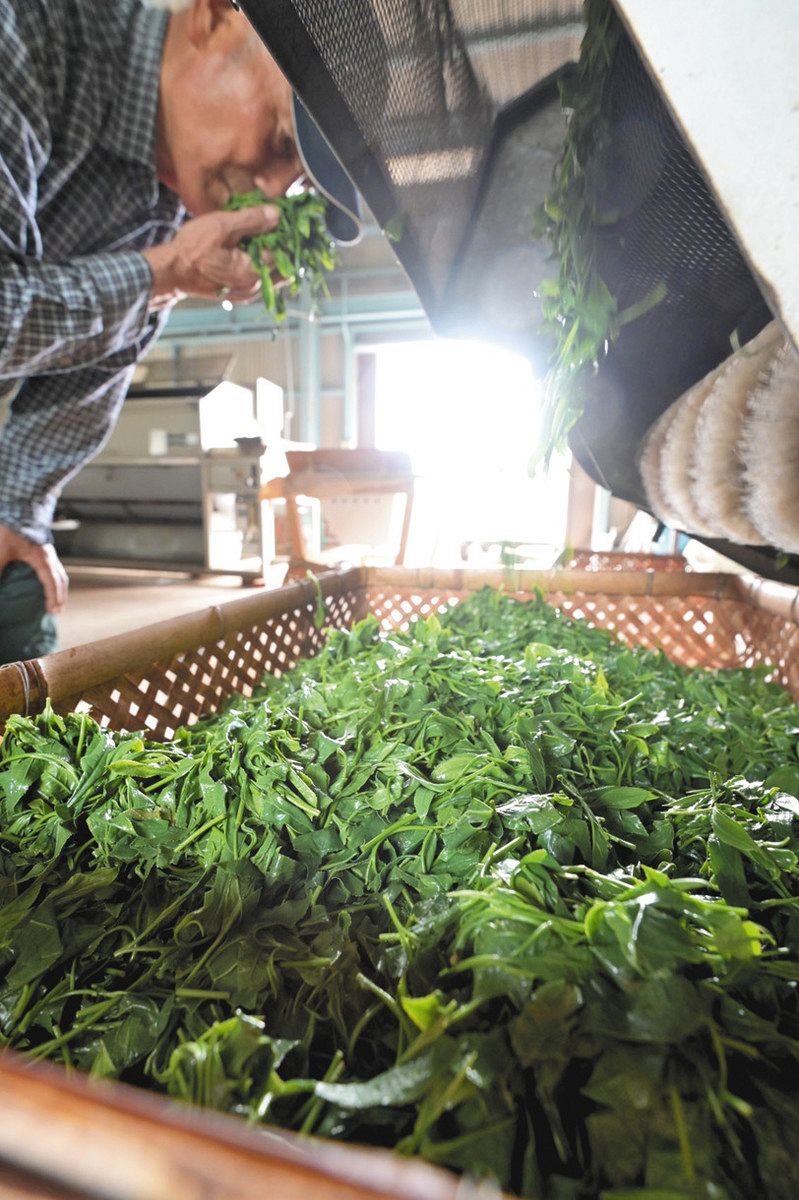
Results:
131 126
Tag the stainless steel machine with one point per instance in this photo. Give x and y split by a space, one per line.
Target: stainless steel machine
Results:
176 486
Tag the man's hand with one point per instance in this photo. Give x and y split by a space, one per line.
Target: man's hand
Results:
43 560
204 258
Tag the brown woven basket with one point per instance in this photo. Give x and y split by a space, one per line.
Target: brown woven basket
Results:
176 671
107 1140
625 560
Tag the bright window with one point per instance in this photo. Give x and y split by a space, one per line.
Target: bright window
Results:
469 416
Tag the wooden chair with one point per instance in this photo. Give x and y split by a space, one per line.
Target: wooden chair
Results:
323 474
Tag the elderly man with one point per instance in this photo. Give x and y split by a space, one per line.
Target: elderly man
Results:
116 122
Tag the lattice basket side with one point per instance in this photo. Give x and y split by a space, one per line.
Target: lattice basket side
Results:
397 594
693 631
199 682
764 638
396 609
621 560
177 671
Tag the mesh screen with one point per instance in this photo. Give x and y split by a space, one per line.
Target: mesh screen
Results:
670 231
422 106
412 94
423 82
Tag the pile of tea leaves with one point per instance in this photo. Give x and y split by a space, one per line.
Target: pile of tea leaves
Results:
496 891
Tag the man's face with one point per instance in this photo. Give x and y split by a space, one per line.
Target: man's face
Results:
225 115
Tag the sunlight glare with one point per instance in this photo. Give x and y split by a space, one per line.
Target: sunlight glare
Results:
469 416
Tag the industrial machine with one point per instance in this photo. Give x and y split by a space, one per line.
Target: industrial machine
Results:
177 485
448 117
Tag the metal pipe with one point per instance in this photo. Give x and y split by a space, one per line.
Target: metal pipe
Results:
309 423
198 322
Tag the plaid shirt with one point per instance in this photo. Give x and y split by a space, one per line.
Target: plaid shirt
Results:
79 198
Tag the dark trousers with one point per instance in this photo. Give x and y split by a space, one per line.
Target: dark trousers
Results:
26 630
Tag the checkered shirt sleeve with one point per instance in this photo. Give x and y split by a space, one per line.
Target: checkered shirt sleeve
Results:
69 330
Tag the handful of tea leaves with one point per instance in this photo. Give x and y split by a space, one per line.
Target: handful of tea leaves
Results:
300 249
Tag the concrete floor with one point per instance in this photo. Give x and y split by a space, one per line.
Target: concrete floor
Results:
103 603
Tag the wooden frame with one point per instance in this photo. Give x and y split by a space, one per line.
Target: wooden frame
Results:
66 1137
336 472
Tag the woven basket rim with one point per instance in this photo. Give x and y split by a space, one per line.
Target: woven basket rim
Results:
67 674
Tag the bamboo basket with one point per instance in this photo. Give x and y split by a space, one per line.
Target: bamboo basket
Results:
136 1145
174 672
